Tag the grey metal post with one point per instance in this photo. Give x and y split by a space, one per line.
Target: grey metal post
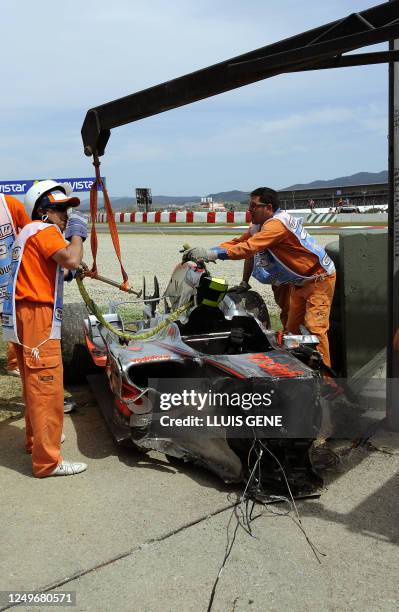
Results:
393 245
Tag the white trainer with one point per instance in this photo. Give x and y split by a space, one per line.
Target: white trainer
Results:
15 373
69 405
67 468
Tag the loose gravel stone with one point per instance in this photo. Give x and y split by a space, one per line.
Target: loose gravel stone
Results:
157 254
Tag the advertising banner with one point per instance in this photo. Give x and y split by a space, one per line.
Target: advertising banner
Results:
21 187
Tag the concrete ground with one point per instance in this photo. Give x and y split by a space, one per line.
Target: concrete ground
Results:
137 533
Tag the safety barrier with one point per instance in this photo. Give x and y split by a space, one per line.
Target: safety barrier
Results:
358 329
370 219
179 217
242 217
345 218
321 218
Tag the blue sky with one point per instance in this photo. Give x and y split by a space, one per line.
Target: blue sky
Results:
60 59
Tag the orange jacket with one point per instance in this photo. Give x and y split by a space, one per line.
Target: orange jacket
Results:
37 272
282 242
17 211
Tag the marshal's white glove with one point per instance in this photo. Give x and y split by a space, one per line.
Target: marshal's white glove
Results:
199 254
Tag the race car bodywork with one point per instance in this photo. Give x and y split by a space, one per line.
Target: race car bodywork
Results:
226 348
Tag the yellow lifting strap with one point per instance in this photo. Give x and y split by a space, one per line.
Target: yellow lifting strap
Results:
126 337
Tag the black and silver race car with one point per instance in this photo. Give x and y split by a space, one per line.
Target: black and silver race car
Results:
198 337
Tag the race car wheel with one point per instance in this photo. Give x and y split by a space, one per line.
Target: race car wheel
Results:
75 356
254 303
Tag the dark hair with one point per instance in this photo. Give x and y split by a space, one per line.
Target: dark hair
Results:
35 214
40 203
44 203
267 196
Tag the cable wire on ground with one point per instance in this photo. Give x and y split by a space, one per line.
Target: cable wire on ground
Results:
249 497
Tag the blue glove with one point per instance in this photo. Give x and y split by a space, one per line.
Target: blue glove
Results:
76 226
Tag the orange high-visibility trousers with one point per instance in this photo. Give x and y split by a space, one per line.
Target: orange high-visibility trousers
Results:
282 295
12 362
310 305
43 388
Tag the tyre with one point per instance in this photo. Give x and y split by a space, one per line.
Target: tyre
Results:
76 358
252 302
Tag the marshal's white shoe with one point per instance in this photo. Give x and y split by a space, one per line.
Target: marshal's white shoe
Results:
15 373
67 468
69 405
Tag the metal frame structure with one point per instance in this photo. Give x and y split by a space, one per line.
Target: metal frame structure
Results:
319 48
393 245
325 47
143 199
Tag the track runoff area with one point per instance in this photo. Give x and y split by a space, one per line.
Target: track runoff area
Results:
320 221
185 228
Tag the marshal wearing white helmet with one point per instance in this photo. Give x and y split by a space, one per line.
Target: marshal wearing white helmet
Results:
59 192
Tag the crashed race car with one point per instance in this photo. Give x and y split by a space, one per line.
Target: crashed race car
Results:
201 337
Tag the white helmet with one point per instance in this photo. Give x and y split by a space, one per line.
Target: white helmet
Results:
40 188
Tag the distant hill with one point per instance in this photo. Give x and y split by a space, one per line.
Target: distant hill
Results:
117 203
129 203
221 196
126 203
166 200
230 196
360 178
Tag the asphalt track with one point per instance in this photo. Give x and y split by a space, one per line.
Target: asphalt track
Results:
126 228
